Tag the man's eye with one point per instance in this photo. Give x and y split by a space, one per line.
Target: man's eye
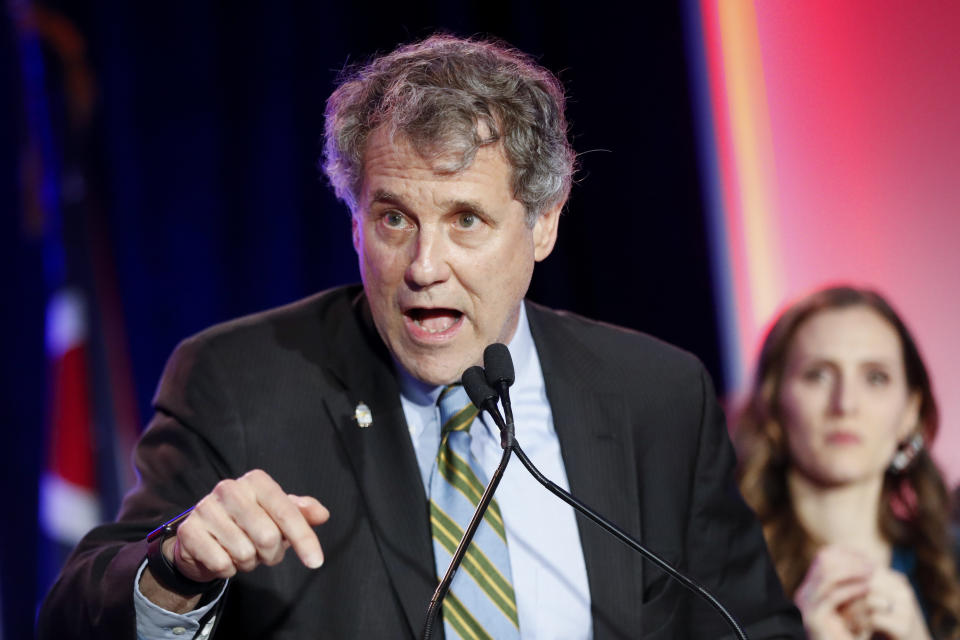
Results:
394 219
877 377
467 220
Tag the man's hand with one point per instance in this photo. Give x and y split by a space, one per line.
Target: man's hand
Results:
238 526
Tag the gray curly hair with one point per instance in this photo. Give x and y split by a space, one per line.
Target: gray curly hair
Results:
449 97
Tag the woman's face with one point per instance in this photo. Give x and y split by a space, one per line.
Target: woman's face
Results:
844 401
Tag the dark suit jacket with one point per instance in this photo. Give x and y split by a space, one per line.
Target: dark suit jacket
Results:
642 438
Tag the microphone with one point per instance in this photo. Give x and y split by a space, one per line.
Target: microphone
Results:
498 370
485 398
481 394
501 377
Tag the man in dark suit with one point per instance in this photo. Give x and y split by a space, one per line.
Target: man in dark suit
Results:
453 158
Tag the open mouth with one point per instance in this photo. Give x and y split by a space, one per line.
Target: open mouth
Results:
434 321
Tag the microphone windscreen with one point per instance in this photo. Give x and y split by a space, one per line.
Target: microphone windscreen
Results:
498 364
475 384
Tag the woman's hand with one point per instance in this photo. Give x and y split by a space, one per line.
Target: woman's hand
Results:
845 596
832 595
892 607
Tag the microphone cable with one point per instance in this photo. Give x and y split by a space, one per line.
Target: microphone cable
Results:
498 376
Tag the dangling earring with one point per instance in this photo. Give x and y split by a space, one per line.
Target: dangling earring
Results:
906 453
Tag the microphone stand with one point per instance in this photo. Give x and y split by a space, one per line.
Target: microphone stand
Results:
499 375
486 400
618 533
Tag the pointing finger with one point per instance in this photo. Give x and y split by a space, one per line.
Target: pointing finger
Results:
292 524
312 510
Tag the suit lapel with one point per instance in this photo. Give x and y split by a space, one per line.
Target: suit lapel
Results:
597 445
384 462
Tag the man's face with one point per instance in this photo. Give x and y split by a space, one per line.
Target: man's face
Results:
445 258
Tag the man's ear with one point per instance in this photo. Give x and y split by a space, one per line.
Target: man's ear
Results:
355 232
545 232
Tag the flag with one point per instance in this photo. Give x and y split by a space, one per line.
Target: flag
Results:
69 504
91 421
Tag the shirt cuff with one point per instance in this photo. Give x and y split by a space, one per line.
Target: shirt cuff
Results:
156 623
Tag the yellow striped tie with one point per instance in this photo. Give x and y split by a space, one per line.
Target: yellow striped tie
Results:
481 602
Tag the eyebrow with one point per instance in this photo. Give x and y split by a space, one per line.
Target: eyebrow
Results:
388 197
878 362
829 360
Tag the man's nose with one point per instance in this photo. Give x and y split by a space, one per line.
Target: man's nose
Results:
429 260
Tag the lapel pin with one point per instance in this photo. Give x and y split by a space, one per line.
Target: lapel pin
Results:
362 415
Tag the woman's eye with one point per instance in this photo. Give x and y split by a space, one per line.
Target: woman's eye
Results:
877 377
817 374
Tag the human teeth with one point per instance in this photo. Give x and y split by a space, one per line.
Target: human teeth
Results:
436 324
435 320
